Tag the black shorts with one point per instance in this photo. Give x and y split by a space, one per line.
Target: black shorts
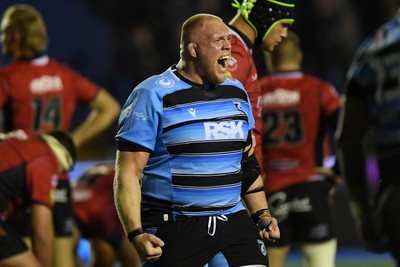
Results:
63 216
196 240
11 243
303 213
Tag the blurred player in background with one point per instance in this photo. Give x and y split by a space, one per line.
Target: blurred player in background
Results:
28 177
370 115
297 109
263 23
97 219
39 94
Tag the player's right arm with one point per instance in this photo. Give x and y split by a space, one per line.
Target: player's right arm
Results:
127 196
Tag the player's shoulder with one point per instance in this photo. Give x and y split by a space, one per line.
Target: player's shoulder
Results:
230 81
238 42
163 83
169 81
10 69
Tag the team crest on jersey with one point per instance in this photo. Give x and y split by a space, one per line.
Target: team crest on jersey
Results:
238 106
262 247
165 82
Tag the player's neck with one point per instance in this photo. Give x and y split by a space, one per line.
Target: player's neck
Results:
288 67
239 23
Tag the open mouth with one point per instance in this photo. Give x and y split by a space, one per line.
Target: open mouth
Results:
223 62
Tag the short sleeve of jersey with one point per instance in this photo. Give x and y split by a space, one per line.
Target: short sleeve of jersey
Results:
239 64
139 121
42 180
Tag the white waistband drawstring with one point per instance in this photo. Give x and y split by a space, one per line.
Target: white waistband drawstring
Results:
212 223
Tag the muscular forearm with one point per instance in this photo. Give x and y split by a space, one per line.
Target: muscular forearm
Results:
127 190
42 234
43 250
127 197
255 201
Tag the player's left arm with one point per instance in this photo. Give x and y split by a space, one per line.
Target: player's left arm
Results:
104 110
254 197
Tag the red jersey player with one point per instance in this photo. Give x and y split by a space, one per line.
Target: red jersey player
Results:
263 23
28 177
296 108
97 219
39 94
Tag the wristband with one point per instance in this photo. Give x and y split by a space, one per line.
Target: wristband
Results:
135 232
260 214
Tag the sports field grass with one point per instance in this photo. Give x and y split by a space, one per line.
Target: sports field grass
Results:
349 257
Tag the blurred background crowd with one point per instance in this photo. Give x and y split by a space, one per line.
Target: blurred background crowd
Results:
119 43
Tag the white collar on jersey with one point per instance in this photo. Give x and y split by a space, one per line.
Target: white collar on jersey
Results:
40 61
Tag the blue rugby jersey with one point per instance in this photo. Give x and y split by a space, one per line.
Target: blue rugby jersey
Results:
375 76
196 135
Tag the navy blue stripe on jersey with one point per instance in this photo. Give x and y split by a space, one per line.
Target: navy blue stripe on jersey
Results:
221 109
207 180
190 201
197 135
214 146
200 94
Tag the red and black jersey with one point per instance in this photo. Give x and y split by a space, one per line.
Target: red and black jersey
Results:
28 174
93 203
242 67
294 106
41 95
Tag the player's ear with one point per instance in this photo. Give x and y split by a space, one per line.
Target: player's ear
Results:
192 48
